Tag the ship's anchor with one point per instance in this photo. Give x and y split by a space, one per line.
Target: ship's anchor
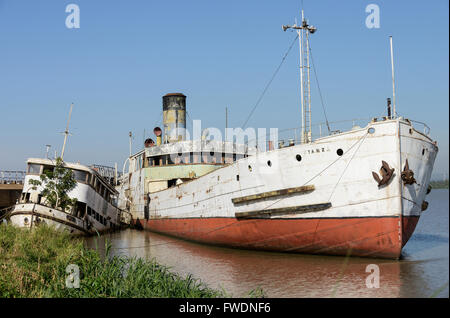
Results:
386 173
408 175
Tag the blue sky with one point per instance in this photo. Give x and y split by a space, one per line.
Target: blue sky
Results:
127 54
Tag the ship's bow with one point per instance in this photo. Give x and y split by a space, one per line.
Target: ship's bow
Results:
418 153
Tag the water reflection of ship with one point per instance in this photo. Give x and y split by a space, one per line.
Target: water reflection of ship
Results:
278 274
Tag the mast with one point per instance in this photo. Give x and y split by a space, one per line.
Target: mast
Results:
393 79
303 31
66 132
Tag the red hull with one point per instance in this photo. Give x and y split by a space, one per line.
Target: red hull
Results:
368 237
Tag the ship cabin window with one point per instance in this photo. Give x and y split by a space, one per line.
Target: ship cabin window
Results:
97 185
48 169
80 176
25 198
80 209
34 168
107 196
208 157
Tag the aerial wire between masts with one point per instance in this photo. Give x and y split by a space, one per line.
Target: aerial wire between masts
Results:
320 91
270 82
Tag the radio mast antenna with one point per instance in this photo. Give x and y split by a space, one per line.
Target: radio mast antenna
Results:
66 132
393 78
303 31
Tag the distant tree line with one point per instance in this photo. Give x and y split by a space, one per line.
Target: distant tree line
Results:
442 184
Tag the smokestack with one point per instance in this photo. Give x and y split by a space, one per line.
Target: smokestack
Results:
174 117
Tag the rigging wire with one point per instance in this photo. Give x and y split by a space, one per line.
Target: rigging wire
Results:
270 82
320 91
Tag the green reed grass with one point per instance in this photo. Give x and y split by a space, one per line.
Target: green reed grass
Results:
33 264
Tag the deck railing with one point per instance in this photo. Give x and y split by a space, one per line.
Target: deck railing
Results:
292 136
108 173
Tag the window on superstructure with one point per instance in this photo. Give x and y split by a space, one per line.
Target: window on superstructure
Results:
34 168
48 169
80 175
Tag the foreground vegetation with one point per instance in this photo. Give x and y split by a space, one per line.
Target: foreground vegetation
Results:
34 263
439 184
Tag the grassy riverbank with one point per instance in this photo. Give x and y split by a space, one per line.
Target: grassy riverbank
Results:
34 263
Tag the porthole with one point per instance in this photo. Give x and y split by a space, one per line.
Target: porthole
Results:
180 154
371 130
340 152
298 157
211 153
25 220
269 163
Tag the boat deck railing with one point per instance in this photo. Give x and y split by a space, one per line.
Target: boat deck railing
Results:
12 177
423 127
108 173
293 136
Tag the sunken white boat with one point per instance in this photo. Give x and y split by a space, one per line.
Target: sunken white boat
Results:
95 210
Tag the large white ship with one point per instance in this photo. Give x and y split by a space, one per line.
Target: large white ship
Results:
357 192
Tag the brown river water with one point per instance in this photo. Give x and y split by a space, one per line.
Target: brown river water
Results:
423 270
